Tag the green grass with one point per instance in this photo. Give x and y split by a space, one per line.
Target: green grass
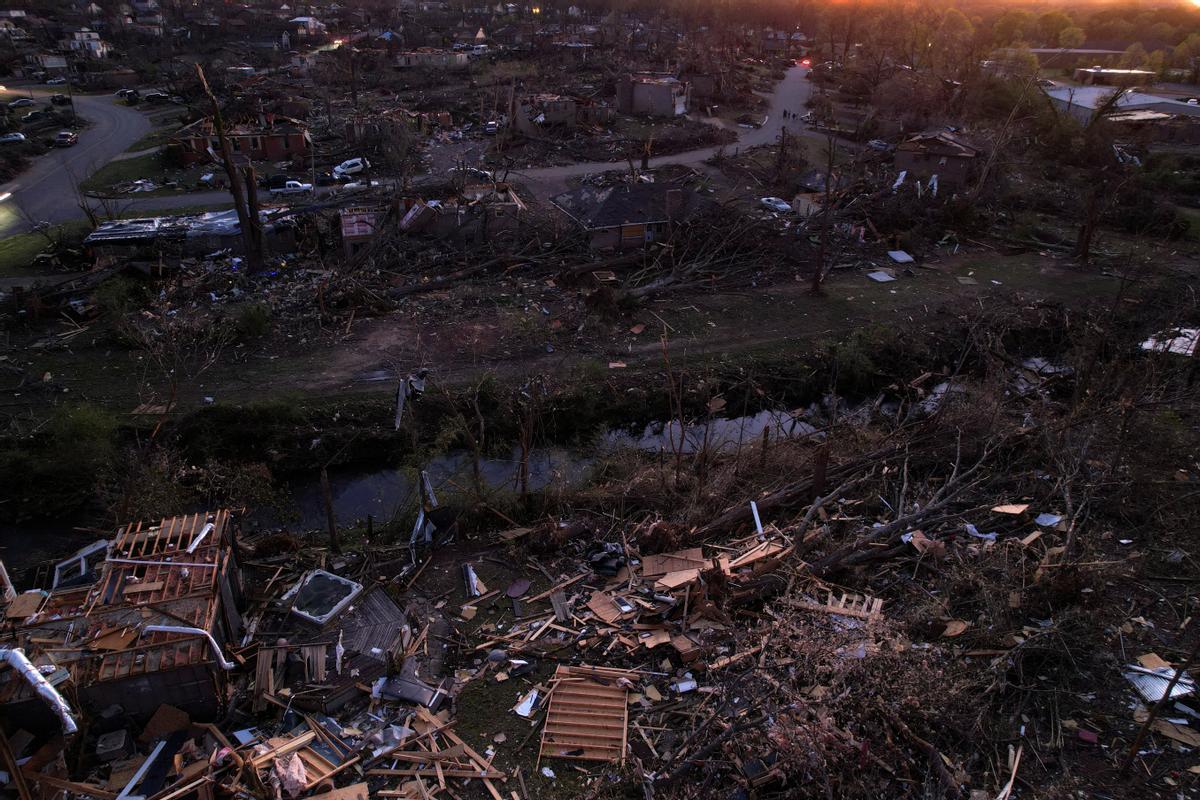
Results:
129 169
155 138
18 252
153 167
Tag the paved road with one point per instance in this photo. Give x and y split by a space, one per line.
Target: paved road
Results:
46 191
791 93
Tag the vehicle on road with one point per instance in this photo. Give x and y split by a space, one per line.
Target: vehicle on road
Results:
357 186
21 102
56 81
60 100
351 166
777 204
274 181
12 138
157 97
293 187
66 139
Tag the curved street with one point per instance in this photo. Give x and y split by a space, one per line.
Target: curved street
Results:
46 192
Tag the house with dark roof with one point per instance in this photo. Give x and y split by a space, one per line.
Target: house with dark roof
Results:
940 152
629 215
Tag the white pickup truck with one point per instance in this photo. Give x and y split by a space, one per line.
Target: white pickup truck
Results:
292 187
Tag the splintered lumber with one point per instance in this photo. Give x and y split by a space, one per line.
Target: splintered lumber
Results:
484 764
281 747
602 605
677 580
860 606
757 553
558 587
358 791
679 561
588 715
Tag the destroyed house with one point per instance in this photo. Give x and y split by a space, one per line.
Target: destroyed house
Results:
942 153
627 215
653 95
429 58
337 635
149 630
545 111
266 137
478 210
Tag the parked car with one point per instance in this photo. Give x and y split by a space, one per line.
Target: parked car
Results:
358 186
351 166
60 100
879 146
293 187
491 127
777 204
274 181
325 179
21 102
34 116
12 138
156 97
66 139
56 81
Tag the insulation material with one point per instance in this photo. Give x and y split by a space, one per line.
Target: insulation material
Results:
17 660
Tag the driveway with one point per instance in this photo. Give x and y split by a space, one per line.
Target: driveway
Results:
46 192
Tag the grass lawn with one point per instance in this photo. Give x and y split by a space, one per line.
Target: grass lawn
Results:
152 167
155 138
17 252
129 169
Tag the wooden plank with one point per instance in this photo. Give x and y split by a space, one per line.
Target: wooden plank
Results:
656 565
586 716
142 588
25 605
486 774
557 588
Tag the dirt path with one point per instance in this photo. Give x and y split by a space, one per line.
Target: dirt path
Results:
469 331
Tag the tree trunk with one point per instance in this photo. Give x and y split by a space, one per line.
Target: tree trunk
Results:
327 496
253 256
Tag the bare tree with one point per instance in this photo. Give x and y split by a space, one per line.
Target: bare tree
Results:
251 242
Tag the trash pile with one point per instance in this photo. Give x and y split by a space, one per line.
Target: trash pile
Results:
927 598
